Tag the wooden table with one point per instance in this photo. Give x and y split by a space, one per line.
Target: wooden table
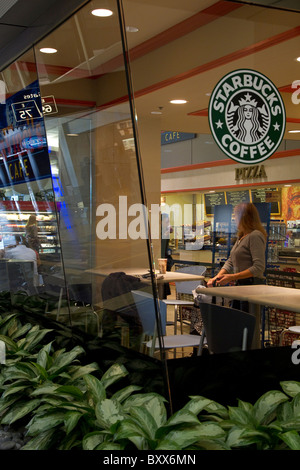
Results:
161 279
259 295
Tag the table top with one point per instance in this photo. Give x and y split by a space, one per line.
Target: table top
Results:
285 298
169 276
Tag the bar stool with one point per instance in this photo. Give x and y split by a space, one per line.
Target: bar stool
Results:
293 329
184 288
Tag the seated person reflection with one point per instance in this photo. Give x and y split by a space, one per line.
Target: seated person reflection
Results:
246 263
22 252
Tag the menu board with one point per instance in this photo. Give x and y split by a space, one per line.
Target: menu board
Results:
211 200
236 197
272 195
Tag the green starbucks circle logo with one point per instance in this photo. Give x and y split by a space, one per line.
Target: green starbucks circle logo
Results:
246 116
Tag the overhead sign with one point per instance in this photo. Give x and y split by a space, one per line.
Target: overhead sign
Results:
249 172
49 105
247 116
23 143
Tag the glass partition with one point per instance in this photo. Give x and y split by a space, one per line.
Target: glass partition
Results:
70 164
30 240
103 218
176 72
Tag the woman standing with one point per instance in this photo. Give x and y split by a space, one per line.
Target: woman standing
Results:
31 233
246 263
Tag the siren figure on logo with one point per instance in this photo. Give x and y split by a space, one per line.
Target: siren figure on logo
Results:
247 121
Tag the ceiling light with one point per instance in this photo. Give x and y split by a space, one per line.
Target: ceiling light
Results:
178 101
156 112
103 12
48 50
296 131
131 29
298 59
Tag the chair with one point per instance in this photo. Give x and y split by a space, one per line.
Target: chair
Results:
21 276
226 329
184 289
146 310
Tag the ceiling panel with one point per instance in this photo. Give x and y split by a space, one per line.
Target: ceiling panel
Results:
24 22
285 4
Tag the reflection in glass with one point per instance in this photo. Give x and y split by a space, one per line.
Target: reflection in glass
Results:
102 221
28 214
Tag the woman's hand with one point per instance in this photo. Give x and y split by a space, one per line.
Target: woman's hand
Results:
210 282
224 279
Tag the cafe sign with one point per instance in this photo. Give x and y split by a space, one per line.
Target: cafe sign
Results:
246 116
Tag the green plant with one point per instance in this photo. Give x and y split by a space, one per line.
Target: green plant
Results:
272 423
66 406
48 372
86 417
21 340
68 413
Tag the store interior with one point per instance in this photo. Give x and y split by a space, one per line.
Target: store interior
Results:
103 147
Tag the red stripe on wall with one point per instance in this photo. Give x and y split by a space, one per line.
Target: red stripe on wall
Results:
254 48
192 23
233 186
228 161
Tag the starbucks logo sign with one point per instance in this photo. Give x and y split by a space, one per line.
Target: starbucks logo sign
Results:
246 116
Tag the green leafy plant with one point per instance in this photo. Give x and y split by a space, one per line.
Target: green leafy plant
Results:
21 340
272 423
66 404
68 413
48 372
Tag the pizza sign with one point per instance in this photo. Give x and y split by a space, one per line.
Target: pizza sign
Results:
246 116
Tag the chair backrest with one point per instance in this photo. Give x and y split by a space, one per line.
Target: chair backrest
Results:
227 329
186 287
21 276
3 276
146 309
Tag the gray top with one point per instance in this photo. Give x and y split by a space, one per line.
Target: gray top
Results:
248 253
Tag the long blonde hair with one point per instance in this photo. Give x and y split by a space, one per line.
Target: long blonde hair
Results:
31 220
247 219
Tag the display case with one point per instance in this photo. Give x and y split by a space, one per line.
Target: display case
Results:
293 234
14 216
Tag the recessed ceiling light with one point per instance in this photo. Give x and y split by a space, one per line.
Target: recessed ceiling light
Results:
296 131
156 112
178 101
103 12
298 59
72 135
131 29
48 50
